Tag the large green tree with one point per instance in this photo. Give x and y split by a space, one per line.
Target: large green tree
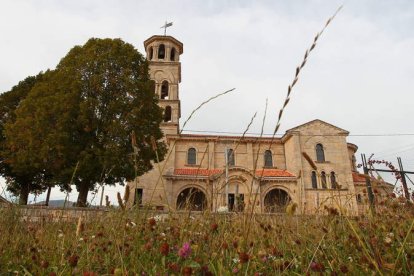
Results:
20 183
82 115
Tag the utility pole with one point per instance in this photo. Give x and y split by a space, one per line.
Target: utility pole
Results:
368 184
403 180
401 172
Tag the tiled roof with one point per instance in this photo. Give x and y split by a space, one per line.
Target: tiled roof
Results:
357 177
274 173
207 172
200 172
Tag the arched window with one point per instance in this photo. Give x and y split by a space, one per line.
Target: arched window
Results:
151 53
230 157
314 181
323 180
320 155
359 198
268 159
191 156
161 51
172 54
167 114
164 90
333 180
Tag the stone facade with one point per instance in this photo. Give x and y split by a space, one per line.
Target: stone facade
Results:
312 165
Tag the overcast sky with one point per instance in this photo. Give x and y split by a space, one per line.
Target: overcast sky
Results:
360 76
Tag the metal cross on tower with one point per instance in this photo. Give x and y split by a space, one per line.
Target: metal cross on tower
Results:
166 25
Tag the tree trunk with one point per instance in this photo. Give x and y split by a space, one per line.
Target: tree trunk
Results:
24 194
48 196
83 195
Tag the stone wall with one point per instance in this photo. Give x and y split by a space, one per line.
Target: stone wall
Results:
47 213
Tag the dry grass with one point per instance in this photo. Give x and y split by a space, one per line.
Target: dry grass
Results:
128 243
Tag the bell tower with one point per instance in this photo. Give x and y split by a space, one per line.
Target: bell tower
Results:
163 54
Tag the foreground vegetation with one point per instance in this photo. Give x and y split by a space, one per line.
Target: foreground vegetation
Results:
139 243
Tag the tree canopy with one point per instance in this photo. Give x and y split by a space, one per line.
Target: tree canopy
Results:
29 180
82 115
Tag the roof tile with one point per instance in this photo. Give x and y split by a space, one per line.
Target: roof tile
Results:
357 177
274 173
207 172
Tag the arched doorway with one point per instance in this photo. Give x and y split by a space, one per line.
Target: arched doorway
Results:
276 201
191 199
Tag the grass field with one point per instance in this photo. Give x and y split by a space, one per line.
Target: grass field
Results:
139 243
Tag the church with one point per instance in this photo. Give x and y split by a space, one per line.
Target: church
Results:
311 166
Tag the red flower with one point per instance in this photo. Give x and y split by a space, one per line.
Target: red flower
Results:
44 264
89 273
235 244
73 260
164 249
244 257
318 267
174 267
187 271
152 222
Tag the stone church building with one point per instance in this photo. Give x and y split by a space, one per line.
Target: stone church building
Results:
312 165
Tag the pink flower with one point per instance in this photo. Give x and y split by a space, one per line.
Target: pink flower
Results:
184 251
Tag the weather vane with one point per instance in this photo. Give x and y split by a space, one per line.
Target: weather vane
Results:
166 25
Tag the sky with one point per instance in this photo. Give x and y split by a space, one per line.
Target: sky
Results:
359 77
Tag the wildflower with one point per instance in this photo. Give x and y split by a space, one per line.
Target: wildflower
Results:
89 273
214 227
235 243
174 267
148 246
73 260
185 250
44 264
235 270
130 224
152 221
318 267
344 269
387 240
164 249
244 257
187 271
236 260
